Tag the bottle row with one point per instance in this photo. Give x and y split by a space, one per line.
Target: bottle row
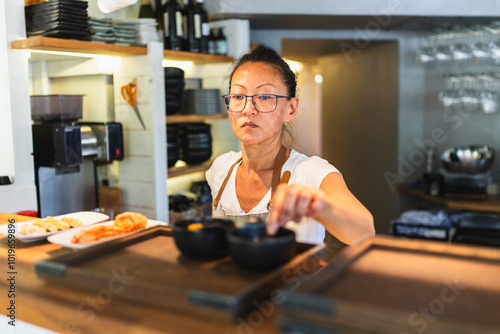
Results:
185 28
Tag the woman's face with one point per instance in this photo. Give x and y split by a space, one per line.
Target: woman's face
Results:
250 126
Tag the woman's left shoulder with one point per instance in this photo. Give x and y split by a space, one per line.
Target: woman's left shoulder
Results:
302 161
309 170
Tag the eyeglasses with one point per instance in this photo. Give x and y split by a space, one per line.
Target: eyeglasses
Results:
262 102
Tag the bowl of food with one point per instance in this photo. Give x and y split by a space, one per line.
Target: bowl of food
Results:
471 159
252 248
202 238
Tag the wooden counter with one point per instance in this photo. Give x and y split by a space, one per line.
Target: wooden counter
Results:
379 277
66 310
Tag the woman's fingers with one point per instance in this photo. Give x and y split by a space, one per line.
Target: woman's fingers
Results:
293 202
303 202
273 220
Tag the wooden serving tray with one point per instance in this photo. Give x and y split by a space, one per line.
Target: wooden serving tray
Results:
147 268
390 285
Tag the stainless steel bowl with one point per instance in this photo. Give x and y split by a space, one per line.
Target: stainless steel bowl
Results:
471 159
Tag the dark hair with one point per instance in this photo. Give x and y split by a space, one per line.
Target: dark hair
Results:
266 55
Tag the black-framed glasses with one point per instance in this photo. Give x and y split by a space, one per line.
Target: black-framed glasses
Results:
262 102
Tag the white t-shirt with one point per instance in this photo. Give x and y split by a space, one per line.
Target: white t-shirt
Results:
304 170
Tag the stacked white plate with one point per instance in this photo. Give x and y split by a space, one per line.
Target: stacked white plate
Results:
202 102
145 30
125 33
102 30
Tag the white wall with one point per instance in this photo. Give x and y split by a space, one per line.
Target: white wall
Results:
16 159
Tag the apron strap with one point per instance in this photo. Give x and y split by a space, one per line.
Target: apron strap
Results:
221 189
278 164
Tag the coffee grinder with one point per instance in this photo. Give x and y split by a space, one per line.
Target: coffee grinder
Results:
66 154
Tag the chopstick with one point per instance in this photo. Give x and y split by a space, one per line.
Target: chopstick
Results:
5 217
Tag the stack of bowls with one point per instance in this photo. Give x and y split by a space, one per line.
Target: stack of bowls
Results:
174 88
202 102
195 143
172 144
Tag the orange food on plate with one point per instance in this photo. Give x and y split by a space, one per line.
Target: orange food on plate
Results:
97 233
131 221
124 223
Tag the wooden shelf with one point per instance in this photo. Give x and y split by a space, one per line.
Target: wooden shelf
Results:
196 57
184 170
76 46
72 45
490 204
194 118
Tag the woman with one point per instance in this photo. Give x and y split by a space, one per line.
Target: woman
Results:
305 190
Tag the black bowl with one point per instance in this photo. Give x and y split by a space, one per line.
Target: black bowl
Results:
252 248
174 72
206 243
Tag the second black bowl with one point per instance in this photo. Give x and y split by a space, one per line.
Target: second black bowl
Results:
251 247
207 240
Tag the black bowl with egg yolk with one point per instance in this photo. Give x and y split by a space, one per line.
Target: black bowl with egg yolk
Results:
202 238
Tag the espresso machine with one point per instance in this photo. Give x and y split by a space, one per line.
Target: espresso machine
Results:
66 154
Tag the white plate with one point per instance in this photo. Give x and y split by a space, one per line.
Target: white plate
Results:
86 217
64 238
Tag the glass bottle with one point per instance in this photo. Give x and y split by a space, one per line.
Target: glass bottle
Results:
172 19
204 27
211 42
221 43
191 43
159 15
146 11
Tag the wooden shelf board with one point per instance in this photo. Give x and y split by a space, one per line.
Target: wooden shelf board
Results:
196 57
71 45
184 170
194 118
490 204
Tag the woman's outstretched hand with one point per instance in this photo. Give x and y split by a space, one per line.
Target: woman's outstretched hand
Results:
332 205
292 203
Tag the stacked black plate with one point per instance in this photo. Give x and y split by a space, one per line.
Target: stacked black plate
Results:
174 88
58 18
478 228
202 102
195 143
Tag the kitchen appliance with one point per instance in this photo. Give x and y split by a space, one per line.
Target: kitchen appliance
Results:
66 154
466 171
